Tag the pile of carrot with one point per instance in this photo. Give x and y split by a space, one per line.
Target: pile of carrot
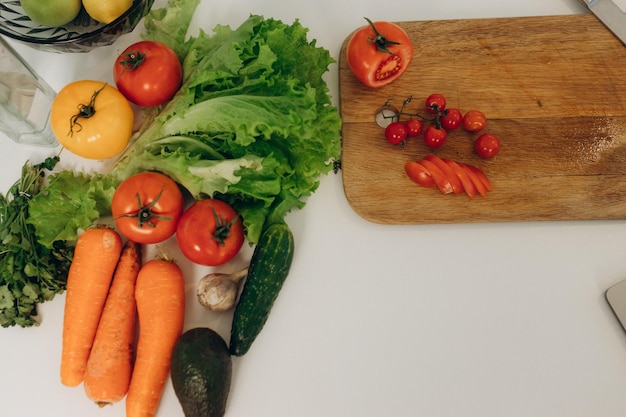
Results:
108 291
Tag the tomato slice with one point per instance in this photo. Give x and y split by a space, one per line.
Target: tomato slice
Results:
481 176
455 181
468 185
441 179
419 174
480 187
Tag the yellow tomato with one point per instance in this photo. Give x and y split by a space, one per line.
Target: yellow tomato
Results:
92 119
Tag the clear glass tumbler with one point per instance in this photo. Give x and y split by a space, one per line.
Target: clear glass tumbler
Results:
25 101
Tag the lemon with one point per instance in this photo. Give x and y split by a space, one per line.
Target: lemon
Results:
106 11
51 13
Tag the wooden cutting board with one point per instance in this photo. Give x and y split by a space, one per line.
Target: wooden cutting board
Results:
553 89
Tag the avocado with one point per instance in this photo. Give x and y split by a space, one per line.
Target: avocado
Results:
201 372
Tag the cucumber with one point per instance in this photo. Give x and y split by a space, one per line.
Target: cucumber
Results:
267 272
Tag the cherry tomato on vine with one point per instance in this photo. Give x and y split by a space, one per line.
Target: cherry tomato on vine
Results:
434 137
148 73
435 103
414 126
146 207
379 53
451 119
396 132
474 121
92 119
210 232
487 145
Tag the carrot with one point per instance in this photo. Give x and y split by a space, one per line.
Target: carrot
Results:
111 359
160 295
89 278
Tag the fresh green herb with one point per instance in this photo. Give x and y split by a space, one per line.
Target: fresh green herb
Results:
30 273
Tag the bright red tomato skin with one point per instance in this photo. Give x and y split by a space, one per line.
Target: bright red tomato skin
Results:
434 137
154 194
414 126
487 145
396 133
154 79
196 232
435 103
451 119
375 68
474 121
419 175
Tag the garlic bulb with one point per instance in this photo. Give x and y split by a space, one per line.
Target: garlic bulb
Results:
219 291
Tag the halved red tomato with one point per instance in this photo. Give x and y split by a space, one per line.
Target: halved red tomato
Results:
379 53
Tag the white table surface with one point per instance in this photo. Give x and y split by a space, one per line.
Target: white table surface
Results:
482 320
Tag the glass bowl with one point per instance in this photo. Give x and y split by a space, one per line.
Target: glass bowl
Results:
81 35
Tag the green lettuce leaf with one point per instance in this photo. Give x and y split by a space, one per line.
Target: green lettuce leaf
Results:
253 123
170 24
69 203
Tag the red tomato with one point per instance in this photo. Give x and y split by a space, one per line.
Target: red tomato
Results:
379 53
481 176
487 145
460 171
474 121
440 177
455 181
146 207
414 126
210 232
434 137
435 103
476 179
451 119
148 73
396 132
419 174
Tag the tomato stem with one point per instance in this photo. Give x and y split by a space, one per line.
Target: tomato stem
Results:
132 59
145 215
403 112
222 229
85 111
381 42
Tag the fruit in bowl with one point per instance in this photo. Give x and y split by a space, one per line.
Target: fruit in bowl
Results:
82 34
106 11
51 12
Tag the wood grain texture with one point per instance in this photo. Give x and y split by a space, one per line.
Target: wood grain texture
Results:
553 89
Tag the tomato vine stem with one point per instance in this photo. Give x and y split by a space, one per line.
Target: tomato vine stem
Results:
132 60
222 229
145 214
381 42
85 111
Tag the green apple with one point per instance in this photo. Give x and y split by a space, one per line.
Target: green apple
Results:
51 13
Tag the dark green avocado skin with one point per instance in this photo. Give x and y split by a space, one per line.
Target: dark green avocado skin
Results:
201 372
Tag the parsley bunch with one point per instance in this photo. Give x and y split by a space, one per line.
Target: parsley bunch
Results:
30 273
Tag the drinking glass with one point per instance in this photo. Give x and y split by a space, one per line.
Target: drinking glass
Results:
25 101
